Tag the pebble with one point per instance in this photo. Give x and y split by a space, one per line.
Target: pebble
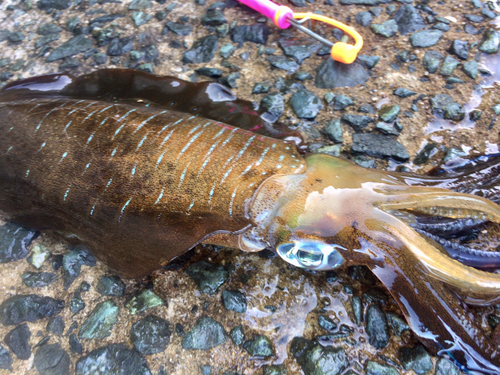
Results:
48 28
141 18
368 62
142 301
5 359
205 334
112 359
357 122
100 321
46 39
326 323
389 113
364 18
38 279
120 46
387 29
460 48
431 61
237 335
140 4
425 38
261 88
51 359
203 50
376 326
305 104
333 130
14 242
227 50
234 300
408 19
397 323
150 335
357 309
250 33
28 308
375 368
56 325
179 28
49 5
72 265
18 341
39 254
404 93
315 359
474 18
472 30
491 41
441 26
73 46
111 286
496 109
416 359
208 277
444 106
471 68
446 367
364 2
74 344
299 49
260 346
449 65
342 102
274 370
488 13
213 17
284 63
331 74
379 146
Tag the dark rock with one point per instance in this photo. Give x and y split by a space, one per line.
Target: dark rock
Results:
388 113
179 28
207 276
397 323
28 308
38 279
332 74
375 295
56 325
74 344
72 47
326 323
474 18
112 359
150 335
205 334
368 62
48 5
488 13
379 146
472 30
213 17
471 68
100 321
69 63
357 122
390 129
425 38
18 341
141 18
342 102
51 359
364 18
302 76
72 24
444 106
432 59
140 4
237 335
357 309
491 41
404 93
120 46
299 49
387 29
203 50
376 327
5 359
111 286
305 104
315 359
377 11
227 50
46 39
261 88
234 300
142 301
329 97
333 130
250 33
282 62
416 359
446 367
408 19
475 115
14 241
102 20
441 26
206 370
364 2
230 80
460 49
449 65
374 368
426 153
48 28
259 346
274 370
72 265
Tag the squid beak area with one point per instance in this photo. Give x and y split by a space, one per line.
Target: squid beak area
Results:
426 221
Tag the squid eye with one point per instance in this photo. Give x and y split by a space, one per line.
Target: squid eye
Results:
311 255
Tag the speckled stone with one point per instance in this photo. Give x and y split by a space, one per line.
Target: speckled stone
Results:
404 93
315 359
284 63
18 341
56 325
5 359
150 335
237 335
431 61
333 130
72 265
331 74
51 359
357 309
449 65
100 321
305 104
408 19
234 300
299 49
491 42
28 308
74 46
443 105
274 105
14 241
387 29
111 286
205 334
326 323
38 279
208 277
203 50
471 68
425 38
397 323
389 113
363 18
357 122
416 359
446 367
39 254
376 326
250 33
259 346
142 301
274 370
375 368
342 102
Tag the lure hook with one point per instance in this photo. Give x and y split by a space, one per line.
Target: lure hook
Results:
283 17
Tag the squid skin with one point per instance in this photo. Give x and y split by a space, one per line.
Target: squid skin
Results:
104 160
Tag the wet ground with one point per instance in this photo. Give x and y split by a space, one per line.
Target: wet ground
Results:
239 312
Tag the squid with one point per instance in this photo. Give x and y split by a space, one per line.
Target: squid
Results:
141 168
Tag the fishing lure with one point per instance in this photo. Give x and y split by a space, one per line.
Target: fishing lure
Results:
283 17
107 160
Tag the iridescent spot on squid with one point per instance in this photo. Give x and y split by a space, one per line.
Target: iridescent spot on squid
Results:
42 146
124 207
160 196
120 120
63 156
8 150
146 121
66 194
86 167
232 201
141 143
183 175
